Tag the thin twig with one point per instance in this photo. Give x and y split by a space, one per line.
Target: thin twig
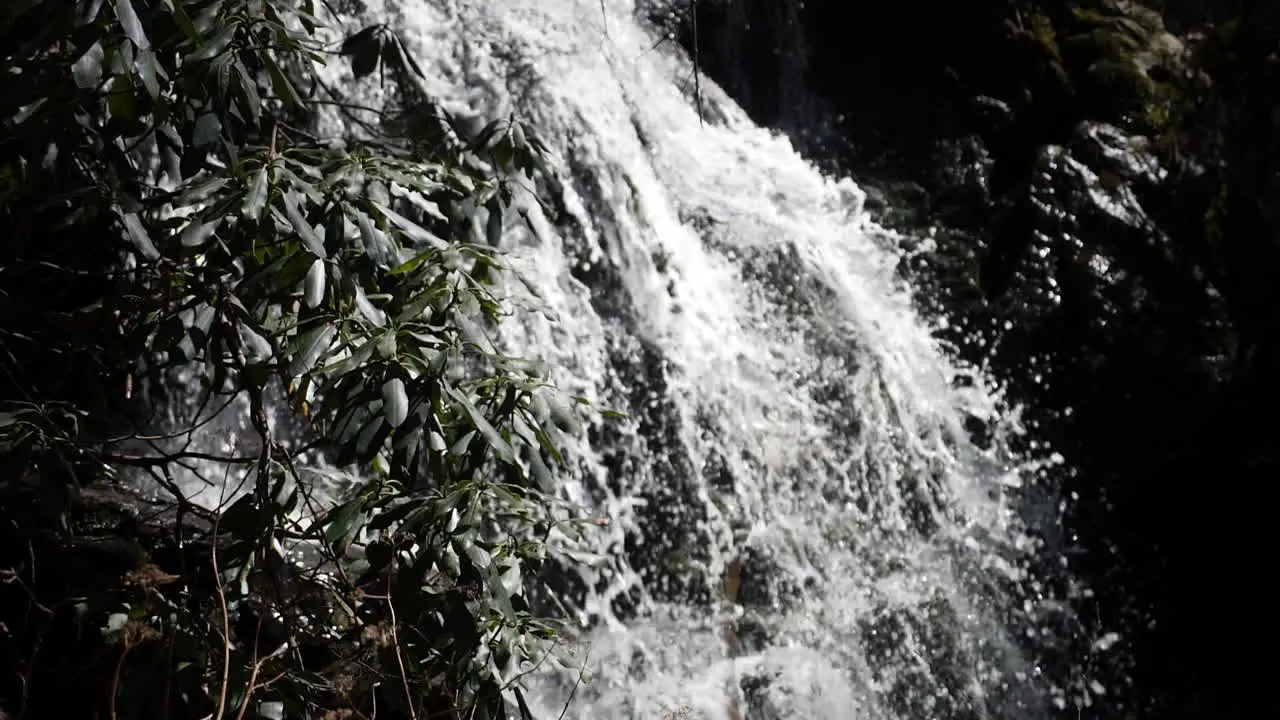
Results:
226 616
395 642
581 672
13 576
257 667
697 71
115 680
173 458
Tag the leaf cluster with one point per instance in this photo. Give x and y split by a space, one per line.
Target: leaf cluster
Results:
159 168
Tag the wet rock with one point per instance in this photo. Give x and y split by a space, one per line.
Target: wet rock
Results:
1099 185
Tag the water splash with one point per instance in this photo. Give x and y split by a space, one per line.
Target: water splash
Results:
801 525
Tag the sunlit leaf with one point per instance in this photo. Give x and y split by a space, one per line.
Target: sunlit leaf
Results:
283 88
180 17
27 111
345 524
305 231
395 402
313 285
138 235
311 346
87 71
145 62
255 200
499 444
131 24
197 234
251 101
412 263
268 253
214 46
357 359
87 11
410 228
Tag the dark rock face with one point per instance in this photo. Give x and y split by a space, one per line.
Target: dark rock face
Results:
1104 193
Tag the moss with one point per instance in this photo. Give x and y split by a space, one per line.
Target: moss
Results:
1041 27
1034 41
1109 52
1118 87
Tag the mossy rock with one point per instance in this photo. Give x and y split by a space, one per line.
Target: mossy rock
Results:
1117 87
1112 50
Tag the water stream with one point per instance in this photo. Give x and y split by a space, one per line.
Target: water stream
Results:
803 521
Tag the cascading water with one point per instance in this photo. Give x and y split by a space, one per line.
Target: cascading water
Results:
800 525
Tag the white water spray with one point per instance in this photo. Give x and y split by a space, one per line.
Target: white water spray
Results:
800 525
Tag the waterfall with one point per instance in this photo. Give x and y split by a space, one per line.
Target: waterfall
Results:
803 522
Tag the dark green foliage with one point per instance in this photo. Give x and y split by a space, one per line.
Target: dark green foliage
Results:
165 202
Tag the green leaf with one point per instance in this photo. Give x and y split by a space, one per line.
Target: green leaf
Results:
207 130
145 63
197 234
180 17
87 71
310 347
413 309
345 524
407 57
131 24
459 447
376 244
399 512
285 274
522 704
259 349
412 263
287 177
335 229
505 585
255 200
365 50
87 11
283 88
493 227
221 67
358 357
378 554
214 46
249 93
460 623
313 285
395 402
353 43
542 474
410 228
198 193
348 424
387 345
26 111
138 235
371 439
245 518
120 101
500 446
306 233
